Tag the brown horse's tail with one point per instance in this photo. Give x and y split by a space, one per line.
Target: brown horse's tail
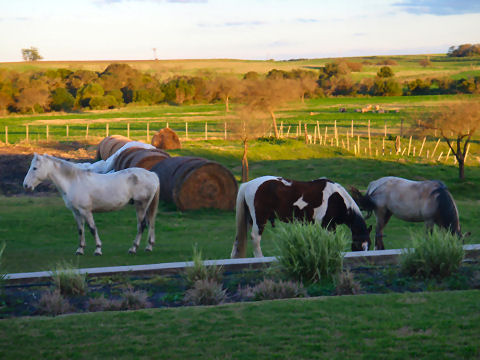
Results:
447 213
240 245
364 202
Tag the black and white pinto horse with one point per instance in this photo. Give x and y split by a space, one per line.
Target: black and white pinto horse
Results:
269 197
85 192
414 201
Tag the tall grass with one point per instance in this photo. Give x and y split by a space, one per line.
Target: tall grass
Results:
68 280
437 254
308 252
199 271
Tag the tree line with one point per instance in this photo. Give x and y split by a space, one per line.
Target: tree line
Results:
120 84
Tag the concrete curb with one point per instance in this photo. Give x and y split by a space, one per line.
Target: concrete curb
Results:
376 257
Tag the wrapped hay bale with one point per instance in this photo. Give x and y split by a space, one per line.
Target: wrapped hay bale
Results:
166 139
194 183
109 146
139 157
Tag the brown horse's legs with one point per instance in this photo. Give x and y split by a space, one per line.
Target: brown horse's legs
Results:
383 216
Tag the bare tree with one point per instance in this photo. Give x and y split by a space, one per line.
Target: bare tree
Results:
268 95
457 123
247 125
224 87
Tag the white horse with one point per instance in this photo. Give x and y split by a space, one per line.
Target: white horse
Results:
105 166
85 192
408 200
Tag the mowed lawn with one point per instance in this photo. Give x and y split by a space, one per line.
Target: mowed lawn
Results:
41 231
440 325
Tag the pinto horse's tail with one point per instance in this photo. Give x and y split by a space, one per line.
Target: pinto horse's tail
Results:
364 202
447 213
240 245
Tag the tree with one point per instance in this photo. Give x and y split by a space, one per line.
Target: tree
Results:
31 54
249 123
62 100
32 98
268 95
425 62
385 72
224 88
457 123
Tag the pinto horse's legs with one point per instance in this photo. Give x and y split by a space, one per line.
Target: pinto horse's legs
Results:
383 215
93 229
256 237
81 233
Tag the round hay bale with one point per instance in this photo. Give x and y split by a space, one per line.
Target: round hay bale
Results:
139 157
109 146
166 139
194 183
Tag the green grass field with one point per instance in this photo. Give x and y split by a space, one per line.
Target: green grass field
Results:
440 325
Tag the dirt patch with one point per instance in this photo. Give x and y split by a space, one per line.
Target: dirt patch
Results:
15 161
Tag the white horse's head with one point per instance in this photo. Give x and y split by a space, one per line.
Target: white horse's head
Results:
37 172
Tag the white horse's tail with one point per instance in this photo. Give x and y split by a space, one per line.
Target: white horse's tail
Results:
240 245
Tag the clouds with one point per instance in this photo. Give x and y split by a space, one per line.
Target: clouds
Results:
440 7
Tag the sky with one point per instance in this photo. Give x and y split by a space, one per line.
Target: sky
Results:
242 29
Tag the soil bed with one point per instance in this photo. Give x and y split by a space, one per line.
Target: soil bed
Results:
169 290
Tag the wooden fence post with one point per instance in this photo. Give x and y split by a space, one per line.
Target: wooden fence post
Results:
106 130
288 131
369 140
225 124
358 143
128 130
421 148
206 131
409 145
86 132
6 134
186 130
385 129
47 133
448 154
351 132
466 153
67 130
148 132
435 148
26 134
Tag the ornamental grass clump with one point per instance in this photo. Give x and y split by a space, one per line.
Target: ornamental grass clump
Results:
199 271
345 284
205 292
270 290
309 253
434 255
68 280
53 303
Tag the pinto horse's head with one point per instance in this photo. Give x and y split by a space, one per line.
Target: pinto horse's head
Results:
36 173
361 241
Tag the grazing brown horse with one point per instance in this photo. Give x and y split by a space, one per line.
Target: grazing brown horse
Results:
321 200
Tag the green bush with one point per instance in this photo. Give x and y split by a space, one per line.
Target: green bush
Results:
437 254
68 281
62 100
308 253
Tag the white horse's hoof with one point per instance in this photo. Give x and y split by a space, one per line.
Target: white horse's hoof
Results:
98 252
149 248
79 251
132 250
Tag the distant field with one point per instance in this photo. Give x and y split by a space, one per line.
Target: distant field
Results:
407 67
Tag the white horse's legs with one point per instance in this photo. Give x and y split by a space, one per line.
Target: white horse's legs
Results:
256 237
141 225
93 229
81 233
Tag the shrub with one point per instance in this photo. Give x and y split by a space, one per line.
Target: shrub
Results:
308 252
62 100
436 254
199 271
53 303
205 292
269 290
68 281
134 300
102 304
345 284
